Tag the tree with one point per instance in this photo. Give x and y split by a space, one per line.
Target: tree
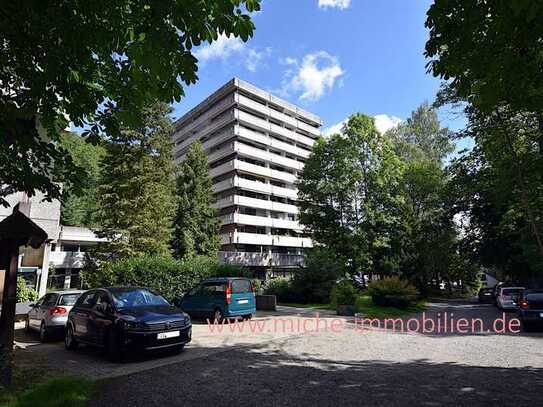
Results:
136 195
490 53
95 64
348 195
81 210
422 137
497 187
196 223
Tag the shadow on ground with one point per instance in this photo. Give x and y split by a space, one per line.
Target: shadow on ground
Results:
256 376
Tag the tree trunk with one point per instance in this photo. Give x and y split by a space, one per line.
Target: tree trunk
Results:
8 261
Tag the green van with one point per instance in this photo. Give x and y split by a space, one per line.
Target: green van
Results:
220 298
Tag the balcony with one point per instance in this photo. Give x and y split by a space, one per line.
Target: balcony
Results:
266 240
242 219
262 259
60 259
255 121
255 203
251 135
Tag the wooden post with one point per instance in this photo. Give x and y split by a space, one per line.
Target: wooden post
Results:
9 254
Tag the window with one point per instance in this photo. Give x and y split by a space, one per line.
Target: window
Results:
50 300
241 286
135 297
68 299
213 289
101 298
87 300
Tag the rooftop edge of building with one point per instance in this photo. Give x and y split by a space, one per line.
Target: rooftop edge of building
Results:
236 83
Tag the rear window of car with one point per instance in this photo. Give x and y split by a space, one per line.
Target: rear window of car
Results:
241 286
68 299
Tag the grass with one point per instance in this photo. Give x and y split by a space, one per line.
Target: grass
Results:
365 306
61 391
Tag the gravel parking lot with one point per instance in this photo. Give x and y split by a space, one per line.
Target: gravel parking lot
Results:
347 366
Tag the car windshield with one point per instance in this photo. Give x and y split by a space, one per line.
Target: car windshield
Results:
68 299
136 297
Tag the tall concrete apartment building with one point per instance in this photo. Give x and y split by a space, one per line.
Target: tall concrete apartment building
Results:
256 145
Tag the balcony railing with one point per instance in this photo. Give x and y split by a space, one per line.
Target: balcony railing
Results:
67 259
262 259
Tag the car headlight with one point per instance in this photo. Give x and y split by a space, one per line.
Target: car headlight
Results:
132 325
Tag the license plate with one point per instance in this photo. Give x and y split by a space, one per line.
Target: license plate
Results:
166 335
243 301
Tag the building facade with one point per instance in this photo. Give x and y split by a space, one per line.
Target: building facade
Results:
57 263
256 145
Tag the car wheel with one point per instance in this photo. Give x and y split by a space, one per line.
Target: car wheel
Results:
44 335
69 340
248 316
114 350
217 315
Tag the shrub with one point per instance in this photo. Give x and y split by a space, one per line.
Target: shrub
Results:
169 277
314 282
344 293
231 270
281 288
25 294
393 292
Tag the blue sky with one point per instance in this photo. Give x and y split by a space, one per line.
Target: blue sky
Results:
332 57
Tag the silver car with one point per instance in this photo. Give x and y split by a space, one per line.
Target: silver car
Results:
50 314
507 298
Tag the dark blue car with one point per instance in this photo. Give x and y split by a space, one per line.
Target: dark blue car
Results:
219 298
531 309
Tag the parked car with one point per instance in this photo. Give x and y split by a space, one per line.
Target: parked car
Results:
50 313
486 295
124 319
531 308
507 298
219 298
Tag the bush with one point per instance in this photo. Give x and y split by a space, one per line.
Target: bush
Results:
230 270
314 282
169 277
25 294
393 292
281 288
344 293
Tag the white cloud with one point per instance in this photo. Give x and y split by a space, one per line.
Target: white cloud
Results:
222 48
341 4
255 58
225 47
383 122
316 74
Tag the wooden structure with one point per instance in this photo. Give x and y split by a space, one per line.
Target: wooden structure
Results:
15 231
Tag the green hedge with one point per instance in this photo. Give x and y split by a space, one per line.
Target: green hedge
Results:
393 292
25 294
165 275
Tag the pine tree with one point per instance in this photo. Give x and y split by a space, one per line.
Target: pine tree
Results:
196 223
137 192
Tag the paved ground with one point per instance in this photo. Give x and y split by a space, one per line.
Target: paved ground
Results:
341 366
